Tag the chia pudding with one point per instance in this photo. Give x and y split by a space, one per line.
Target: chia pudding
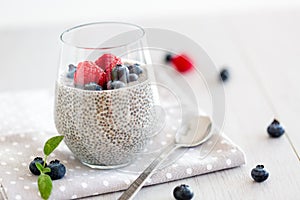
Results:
106 128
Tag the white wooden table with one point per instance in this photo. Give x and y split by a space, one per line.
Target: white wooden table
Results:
262 51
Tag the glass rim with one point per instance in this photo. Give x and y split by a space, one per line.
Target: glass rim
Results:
100 23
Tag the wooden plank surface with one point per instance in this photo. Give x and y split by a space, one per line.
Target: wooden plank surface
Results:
271 47
250 108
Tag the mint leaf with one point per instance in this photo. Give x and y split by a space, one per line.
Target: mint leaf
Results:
39 166
51 144
46 170
45 185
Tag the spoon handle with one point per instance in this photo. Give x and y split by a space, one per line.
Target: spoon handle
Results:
133 189
3 195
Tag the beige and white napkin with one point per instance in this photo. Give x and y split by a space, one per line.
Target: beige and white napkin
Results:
19 149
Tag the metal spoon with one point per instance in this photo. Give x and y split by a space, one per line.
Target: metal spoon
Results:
197 131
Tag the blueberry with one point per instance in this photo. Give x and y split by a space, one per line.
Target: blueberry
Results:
133 77
135 69
110 85
72 70
168 58
32 166
123 74
259 174
183 192
275 129
79 86
118 84
224 75
58 170
72 67
114 73
129 67
92 86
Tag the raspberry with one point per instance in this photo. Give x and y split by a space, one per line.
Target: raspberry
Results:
107 62
102 79
88 72
182 63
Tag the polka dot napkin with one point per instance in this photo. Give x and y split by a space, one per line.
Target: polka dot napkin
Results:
19 149
27 124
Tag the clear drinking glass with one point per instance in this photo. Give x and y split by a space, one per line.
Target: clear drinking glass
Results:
103 97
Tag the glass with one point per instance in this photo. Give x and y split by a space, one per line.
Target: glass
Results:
103 97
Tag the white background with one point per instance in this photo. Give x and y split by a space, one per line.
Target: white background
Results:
29 30
18 12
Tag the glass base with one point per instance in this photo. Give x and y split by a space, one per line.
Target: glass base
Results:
105 166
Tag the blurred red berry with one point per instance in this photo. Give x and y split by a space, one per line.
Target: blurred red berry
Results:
182 63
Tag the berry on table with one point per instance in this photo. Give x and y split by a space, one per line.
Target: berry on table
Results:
275 129
224 75
58 170
92 86
259 174
71 71
88 72
168 58
32 166
181 62
183 192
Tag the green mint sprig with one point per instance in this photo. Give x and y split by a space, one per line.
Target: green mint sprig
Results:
44 180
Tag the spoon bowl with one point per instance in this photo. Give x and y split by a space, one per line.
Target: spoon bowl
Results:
194 133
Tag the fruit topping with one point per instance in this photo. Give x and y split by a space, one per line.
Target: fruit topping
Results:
110 85
92 86
114 74
123 73
71 71
118 84
106 73
133 77
88 72
135 69
107 62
